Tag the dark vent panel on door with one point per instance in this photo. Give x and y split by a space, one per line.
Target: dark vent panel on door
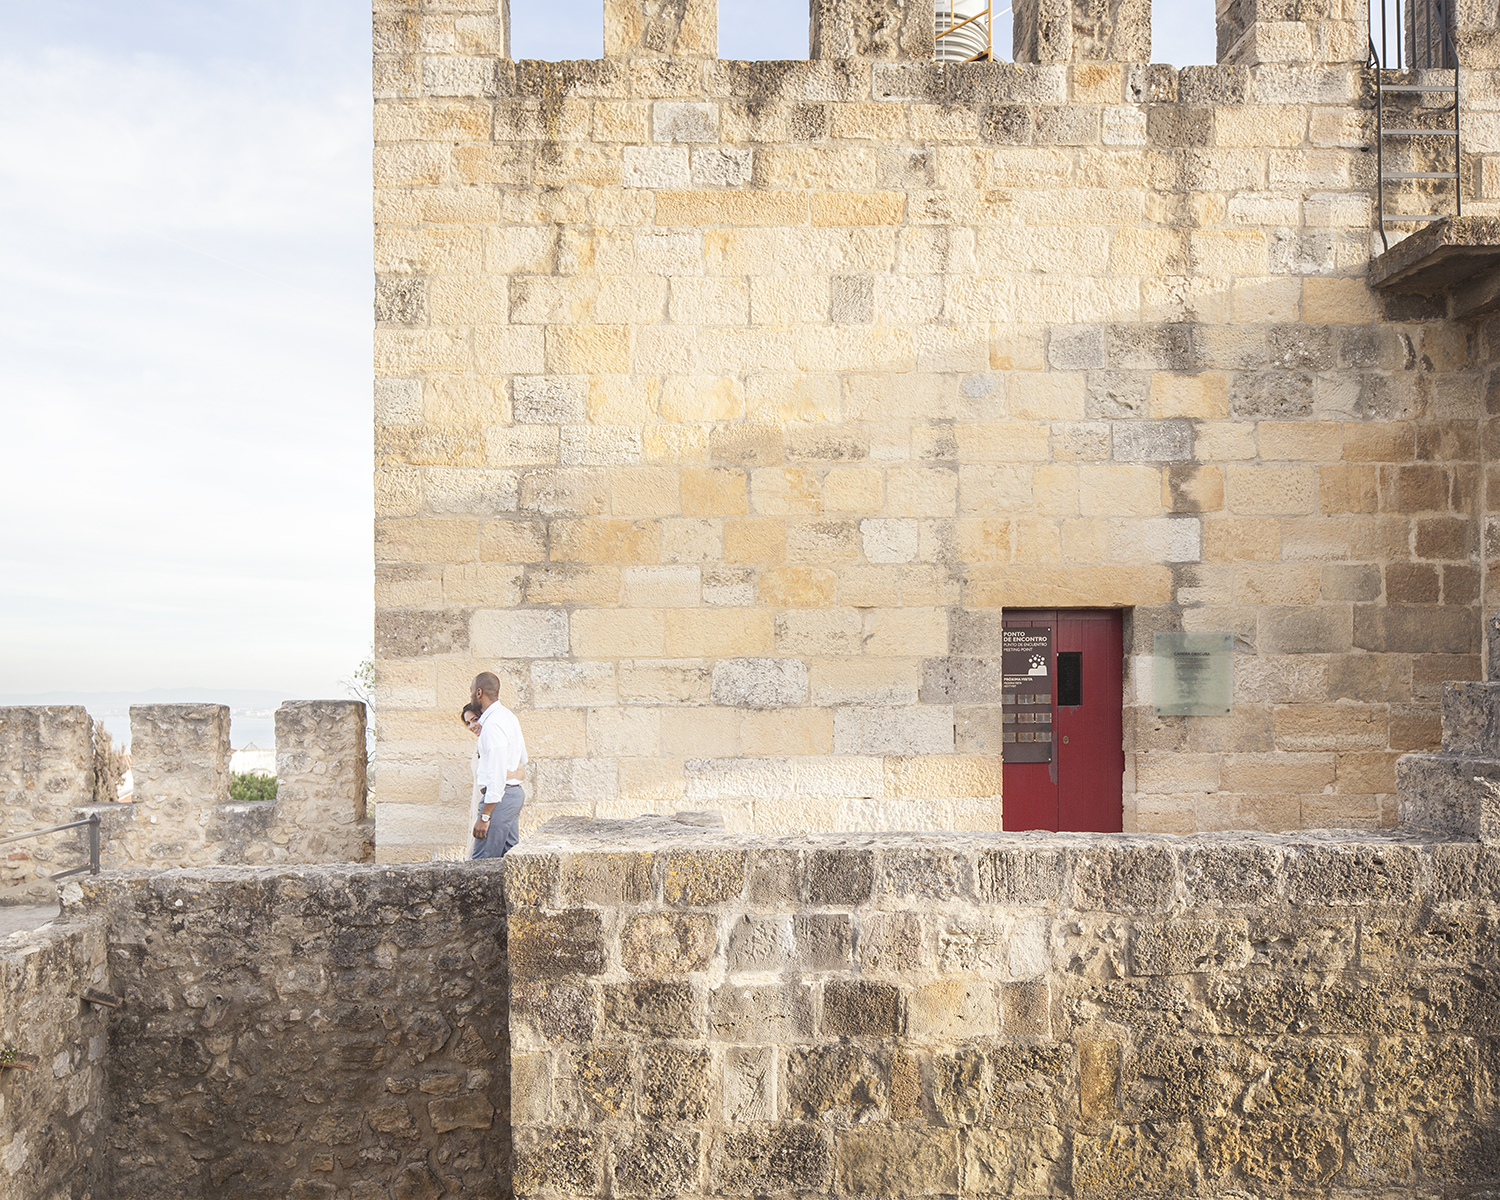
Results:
1069 678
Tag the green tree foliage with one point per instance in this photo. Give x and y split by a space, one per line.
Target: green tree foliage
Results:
247 787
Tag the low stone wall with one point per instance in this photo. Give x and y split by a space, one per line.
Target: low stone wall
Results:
698 1014
52 1116
309 1033
655 1008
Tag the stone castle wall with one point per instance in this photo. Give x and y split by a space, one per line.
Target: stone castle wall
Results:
1077 1015
653 1008
53 1115
182 814
307 1033
722 408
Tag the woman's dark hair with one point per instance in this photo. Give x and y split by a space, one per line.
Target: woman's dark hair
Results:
470 707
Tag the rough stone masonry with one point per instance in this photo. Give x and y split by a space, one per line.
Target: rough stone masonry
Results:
657 1008
1027 1015
722 408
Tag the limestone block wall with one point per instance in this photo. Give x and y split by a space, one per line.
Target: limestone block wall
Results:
46 775
722 409
709 1015
312 1032
52 1117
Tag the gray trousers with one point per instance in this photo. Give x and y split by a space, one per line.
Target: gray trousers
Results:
505 825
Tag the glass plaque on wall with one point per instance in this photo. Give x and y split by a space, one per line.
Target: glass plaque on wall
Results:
1026 694
1192 674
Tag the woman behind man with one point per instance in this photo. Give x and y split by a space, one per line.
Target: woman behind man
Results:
499 769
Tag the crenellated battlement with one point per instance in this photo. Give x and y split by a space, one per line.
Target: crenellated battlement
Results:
181 813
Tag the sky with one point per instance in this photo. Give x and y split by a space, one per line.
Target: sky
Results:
185 326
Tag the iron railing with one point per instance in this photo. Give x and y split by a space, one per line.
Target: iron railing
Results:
92 824
1415 36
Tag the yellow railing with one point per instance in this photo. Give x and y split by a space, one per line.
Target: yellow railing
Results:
986 52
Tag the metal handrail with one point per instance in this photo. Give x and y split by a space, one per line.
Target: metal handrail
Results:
93 826
1430 9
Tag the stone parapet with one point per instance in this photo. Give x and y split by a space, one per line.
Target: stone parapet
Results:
182 814
990 1015
661 29
46 774
321 782
900 30
1082 31
179 757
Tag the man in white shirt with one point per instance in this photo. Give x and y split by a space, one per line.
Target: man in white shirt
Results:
502 768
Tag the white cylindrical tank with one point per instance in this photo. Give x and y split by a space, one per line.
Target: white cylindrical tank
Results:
973 40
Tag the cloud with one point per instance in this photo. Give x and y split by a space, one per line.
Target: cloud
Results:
185 329
148 144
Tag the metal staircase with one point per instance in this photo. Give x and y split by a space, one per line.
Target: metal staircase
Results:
1417 142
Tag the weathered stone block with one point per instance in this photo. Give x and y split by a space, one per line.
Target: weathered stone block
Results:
550 399
1352 875
702 878
862 1008
657 944
837 877
1280 1154
1019 876
566 1160
759 944
603 879
655 1009
1014 1162
772 1158
885 1162
554 1012
925 873
656 1162
1132 1157
832 1084
762 1014
1125 879
749 1092
823 942
891 943
550 946
953 1010
760 682
1231 875
674 1083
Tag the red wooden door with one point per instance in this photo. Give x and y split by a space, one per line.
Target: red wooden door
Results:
1081 786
